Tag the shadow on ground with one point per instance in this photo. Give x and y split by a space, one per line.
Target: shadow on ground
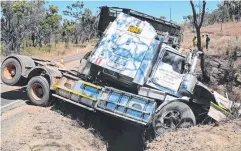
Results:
118 135
15 94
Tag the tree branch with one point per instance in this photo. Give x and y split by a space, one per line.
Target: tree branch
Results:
203 13
194 14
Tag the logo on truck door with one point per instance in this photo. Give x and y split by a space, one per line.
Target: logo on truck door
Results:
134 29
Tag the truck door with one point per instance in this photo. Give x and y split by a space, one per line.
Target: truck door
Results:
169 69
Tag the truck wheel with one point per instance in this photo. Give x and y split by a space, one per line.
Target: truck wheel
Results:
38 91
11 71
173 115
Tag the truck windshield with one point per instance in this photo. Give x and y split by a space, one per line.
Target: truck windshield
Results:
176 61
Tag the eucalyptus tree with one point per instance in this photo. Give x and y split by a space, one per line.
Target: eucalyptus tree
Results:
74 11
51 23
68 30
85 26
18 19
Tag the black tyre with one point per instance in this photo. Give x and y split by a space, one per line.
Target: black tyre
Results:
173 115
38 91
11 71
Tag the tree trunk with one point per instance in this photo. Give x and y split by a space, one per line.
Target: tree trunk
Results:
198 33
33 39
40 43
76 40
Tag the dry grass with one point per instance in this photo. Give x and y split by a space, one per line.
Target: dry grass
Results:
221 41
59 51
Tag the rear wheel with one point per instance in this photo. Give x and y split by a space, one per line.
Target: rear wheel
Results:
38 91
173 115
11 71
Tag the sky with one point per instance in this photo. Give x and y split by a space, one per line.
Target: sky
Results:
154 8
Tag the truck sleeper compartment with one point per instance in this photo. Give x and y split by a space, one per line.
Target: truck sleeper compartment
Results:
106 99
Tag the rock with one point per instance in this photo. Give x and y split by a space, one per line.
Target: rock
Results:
238 53
238 77
214 64
215 71
223 64
221 89
237 63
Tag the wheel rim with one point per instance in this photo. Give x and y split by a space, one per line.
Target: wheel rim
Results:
9 71
37 91
171 119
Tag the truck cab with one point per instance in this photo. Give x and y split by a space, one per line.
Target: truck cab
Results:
130 54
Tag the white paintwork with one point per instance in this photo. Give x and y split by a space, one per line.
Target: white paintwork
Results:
122 51
166 77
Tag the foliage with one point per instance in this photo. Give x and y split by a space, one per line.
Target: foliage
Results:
17 20
227 10
30 24
84 26
75 10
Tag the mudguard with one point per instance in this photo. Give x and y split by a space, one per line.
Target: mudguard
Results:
26 62
52 73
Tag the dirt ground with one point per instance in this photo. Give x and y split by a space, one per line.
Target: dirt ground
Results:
35 128
63 126
224 137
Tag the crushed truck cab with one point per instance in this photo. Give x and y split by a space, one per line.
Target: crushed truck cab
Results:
131 74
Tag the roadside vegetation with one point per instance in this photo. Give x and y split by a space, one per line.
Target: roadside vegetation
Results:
27 27
221 41
223 58
222 25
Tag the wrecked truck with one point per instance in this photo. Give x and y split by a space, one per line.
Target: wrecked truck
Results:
131 74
